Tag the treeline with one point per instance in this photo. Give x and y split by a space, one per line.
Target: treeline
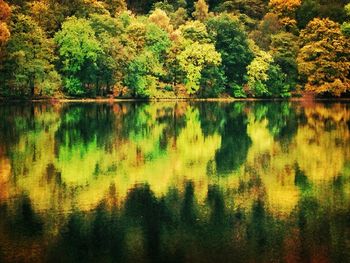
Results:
174 48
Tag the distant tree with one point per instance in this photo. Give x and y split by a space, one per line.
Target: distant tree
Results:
213 81
78 49
265 77
231 42
201 12
284 49
311 9
28 64
324 58
345 28
160 18
179 17
149 43
306 12
112 61
267 27
195 31
115 6
255 9
142 74
5 12
277 83
284 6
193 59
258 73
140 6
285 9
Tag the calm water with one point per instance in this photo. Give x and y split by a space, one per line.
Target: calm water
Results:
175 182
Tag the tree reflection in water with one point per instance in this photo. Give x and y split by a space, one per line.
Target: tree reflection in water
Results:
175 182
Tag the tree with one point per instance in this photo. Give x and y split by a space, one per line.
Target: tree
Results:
112 61
255 9
267 27
28 64
231 42
311 9
258 73
201 12
308 10
284 6
142 74
161 19
213 81
5 12
285 9
324 58
115 6
156 40
195 31
140 6
277 84
345 28
78 49
149 43
265 77
179 17
284 50
193 59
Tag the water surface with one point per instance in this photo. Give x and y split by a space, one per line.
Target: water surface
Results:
175 182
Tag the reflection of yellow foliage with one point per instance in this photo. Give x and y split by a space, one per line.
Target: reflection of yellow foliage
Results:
81 175
322 151
274 168
5 173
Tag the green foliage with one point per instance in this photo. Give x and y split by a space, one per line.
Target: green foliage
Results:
209 48
258 73
345 28
276 83
73 86
231 42
193 59
142 74
28 60
157 40
237 91
212 81
79 50
306 12
311 9
253 8
195 31
284 49
51 84
265 78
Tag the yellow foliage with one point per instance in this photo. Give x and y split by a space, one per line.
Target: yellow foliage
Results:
4 33
324 57
201 12
5 12
320 153
160 18
282 6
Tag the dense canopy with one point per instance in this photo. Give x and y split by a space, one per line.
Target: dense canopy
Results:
174 48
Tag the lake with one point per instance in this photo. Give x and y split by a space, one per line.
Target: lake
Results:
175 182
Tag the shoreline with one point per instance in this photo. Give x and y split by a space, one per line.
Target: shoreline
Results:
116 100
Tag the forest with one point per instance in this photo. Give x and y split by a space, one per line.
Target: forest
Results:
174 48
